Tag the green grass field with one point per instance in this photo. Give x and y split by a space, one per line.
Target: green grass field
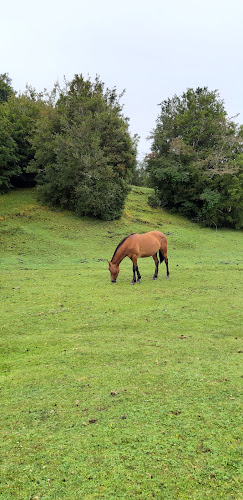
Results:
111 390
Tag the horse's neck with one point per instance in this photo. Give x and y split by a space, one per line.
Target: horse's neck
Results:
118 257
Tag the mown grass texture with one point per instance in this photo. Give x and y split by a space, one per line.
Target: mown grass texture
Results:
111 390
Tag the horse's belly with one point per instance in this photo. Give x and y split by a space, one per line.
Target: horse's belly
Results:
149 249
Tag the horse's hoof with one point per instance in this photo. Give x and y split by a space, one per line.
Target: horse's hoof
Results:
138 281
167 277
132 282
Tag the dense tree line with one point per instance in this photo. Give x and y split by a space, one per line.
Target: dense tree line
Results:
196 164
75 144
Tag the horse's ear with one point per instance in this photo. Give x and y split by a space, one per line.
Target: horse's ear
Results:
109 262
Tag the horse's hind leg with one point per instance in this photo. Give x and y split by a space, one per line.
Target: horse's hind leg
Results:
138 275
167 268
156 260
163 256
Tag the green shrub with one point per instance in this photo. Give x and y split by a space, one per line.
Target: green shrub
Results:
85 156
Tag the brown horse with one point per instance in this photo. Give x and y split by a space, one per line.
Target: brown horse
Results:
140 245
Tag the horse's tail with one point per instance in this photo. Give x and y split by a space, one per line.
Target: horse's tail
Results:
161 257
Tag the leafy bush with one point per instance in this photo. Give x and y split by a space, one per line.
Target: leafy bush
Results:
84 156
8 152
18 116
197 159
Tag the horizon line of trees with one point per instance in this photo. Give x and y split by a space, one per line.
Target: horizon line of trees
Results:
74 144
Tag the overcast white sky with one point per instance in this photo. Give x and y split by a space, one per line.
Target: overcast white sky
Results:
153 49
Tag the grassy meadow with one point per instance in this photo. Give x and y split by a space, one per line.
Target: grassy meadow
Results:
111 390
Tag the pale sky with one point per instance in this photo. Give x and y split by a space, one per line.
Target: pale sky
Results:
153 49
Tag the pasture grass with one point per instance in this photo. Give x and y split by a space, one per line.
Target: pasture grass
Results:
118 391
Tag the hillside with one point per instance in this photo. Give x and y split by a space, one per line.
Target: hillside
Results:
116 391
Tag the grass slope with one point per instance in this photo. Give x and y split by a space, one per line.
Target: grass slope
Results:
117 391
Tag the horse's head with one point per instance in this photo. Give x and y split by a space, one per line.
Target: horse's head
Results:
114 270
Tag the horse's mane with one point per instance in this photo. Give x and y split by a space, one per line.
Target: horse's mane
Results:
121 242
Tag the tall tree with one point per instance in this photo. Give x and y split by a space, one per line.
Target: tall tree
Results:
194 146
8 152
6 89
23 112
84 153
18 115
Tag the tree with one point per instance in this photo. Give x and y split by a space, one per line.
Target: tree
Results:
18 120
6 89
23 112
84 154
8 152
195 145
140 175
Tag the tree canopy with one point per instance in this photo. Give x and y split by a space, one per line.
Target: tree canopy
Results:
196 164
18 116
84 154
6 89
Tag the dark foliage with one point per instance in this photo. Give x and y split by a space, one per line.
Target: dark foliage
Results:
196 164
84 154
18 117
6 89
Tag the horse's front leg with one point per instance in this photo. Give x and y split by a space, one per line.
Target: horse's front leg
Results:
135 270
134 276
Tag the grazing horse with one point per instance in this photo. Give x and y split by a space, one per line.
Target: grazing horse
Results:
139 245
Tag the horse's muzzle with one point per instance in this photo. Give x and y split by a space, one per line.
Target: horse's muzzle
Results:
113 281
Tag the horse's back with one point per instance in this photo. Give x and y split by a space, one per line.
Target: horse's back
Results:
148 244
154 235
158 234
